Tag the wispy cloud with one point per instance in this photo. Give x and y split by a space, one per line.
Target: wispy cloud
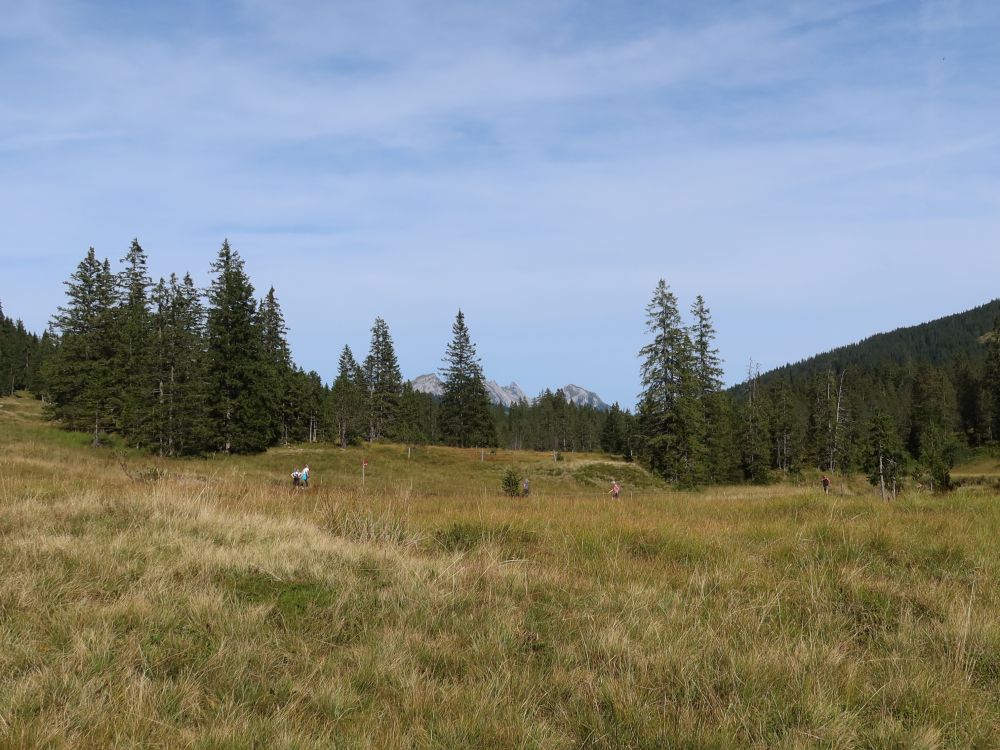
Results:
540 164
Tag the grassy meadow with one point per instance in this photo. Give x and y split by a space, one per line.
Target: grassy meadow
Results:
204 603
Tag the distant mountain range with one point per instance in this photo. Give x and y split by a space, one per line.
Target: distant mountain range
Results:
511 394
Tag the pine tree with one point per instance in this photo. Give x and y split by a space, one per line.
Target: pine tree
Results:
707 364
19 352
786 440
179 425
716 416
383 383
755 430
79 377
931 427
991 384
134 380
37 365
466 417
671 420
279 368
828 419
723 457
885 458
414 426
613 432
347 399
240 406
315 407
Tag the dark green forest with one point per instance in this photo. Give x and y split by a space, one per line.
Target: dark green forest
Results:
21 355
916 398
180 370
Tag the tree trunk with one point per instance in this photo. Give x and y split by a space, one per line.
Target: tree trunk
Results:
881 476
835 432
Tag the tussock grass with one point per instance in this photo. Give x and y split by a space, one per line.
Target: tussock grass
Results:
215 607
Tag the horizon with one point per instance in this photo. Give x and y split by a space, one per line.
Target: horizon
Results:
819 172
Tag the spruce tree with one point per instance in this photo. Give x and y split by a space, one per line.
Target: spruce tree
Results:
279 368
755 420
885 459
79 376
414 426
613 432
240 406
466 417
707 363
133 369
824 425
671 421
383 383
347 399
179 424
991 384
786 439
19 352
716 408
314 407
931 426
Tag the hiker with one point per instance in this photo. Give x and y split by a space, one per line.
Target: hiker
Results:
296 478
525 489
826 484
616 490
305 477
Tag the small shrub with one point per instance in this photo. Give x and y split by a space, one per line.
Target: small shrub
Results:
511 483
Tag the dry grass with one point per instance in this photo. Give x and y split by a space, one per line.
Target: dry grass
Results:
214 607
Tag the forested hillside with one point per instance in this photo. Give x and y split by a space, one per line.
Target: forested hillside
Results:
910 400
939 342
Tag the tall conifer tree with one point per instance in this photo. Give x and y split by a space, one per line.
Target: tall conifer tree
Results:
133 368
383 383
755 440
884 459
670 418
706 361
347 398
279 368
240 407
79 376
179 425
613 432
716 418
991 384
466 418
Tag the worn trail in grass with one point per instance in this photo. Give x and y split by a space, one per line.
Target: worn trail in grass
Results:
214 607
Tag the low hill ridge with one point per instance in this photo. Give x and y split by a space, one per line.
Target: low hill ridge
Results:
935 342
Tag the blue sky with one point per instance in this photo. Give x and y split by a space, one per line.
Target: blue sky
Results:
818 171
